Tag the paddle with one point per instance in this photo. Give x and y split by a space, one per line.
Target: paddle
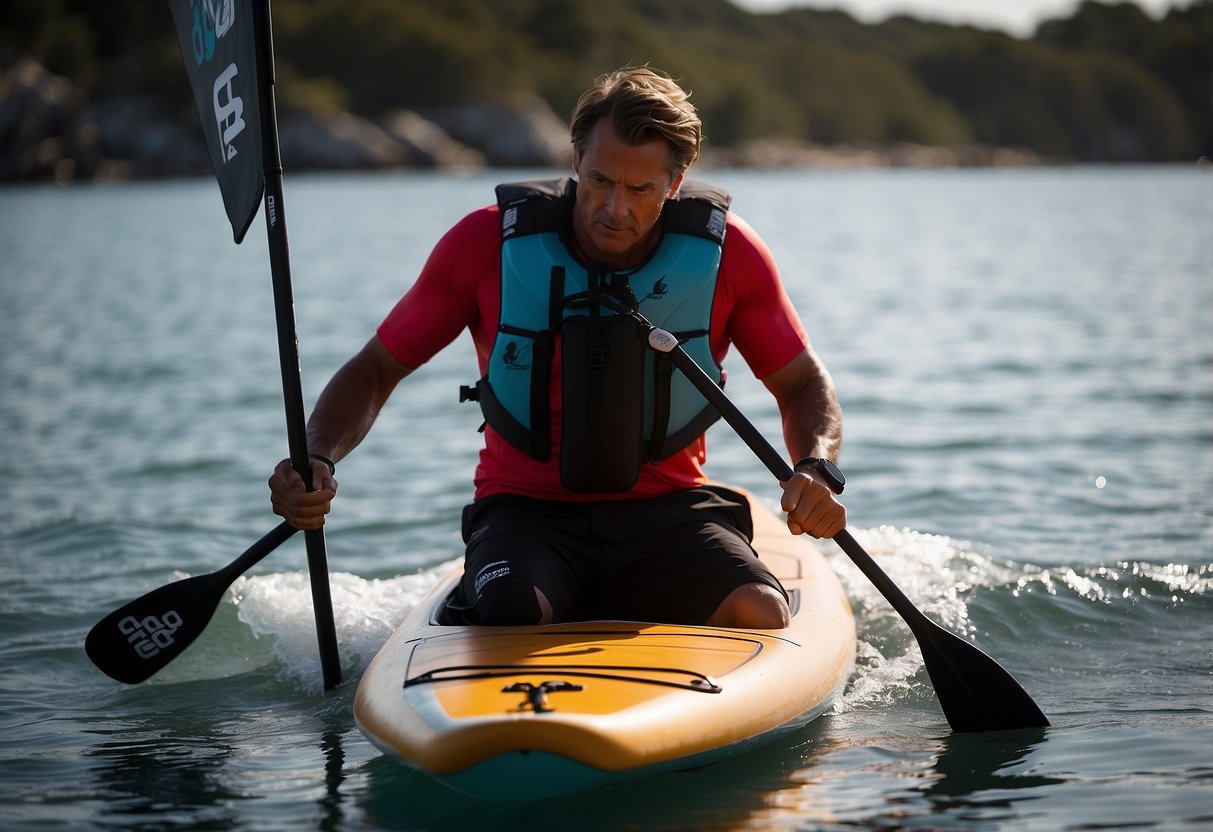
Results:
141 637
229 58
975 692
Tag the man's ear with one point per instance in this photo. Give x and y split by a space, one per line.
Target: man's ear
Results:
675 185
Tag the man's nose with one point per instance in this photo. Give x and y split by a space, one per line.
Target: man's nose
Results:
617 203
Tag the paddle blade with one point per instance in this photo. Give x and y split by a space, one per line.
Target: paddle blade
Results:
975 692
140 638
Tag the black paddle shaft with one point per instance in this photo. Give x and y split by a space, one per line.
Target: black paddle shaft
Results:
974 691
288 346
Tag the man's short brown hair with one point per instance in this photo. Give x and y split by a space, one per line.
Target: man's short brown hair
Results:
643 105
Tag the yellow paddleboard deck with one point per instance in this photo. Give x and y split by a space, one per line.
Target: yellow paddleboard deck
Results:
518 713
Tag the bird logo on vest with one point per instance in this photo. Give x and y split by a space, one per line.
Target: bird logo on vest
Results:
659 289
512 358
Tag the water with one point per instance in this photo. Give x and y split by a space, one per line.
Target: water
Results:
1026 368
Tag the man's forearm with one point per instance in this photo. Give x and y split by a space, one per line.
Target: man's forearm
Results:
351 401
812 418
812 426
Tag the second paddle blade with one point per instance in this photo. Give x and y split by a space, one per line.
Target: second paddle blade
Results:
975 692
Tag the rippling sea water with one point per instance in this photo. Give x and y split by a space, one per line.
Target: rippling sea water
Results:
1025 363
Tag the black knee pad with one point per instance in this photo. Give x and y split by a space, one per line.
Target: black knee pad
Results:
507 601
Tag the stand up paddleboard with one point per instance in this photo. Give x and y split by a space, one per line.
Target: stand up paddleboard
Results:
520 713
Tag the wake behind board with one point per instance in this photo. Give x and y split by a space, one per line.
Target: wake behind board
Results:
521 713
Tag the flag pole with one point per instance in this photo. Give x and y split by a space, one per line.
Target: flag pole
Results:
288 341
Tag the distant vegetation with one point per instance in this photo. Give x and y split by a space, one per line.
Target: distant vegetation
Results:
1108 83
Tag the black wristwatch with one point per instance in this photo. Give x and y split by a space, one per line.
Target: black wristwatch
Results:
830 472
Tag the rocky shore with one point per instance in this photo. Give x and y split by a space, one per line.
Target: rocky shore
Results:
50 130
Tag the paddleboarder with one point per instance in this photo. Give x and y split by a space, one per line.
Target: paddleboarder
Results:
590 497
606 438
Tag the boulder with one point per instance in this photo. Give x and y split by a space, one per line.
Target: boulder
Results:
341 142
524 133
133 136
49 130
36 111
787 154
428 145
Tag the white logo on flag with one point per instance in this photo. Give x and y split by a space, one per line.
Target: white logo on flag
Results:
229 112
223 14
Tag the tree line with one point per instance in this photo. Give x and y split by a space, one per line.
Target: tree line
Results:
1106 83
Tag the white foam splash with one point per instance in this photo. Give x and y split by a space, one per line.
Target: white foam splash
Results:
939 575
365 613
879 680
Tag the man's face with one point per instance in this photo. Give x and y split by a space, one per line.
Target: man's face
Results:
621 189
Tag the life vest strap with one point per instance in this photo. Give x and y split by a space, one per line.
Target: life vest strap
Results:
532 442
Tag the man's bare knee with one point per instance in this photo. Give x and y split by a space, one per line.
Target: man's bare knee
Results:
511 601
545 607
752 606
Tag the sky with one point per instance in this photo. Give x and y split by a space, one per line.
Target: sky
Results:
1016 16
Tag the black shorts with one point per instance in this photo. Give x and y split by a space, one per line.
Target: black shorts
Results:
670 559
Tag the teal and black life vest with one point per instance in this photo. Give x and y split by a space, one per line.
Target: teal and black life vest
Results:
622 402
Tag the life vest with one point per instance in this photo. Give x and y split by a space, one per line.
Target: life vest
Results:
622 403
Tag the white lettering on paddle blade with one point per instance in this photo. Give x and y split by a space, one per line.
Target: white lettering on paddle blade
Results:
151 635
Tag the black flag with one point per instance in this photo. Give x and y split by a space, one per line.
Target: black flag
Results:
220 50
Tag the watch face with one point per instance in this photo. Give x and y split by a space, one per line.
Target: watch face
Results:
831 470
832 473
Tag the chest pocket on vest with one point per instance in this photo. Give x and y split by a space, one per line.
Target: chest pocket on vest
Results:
602 432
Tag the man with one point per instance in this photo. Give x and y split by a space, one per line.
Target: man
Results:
590 497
